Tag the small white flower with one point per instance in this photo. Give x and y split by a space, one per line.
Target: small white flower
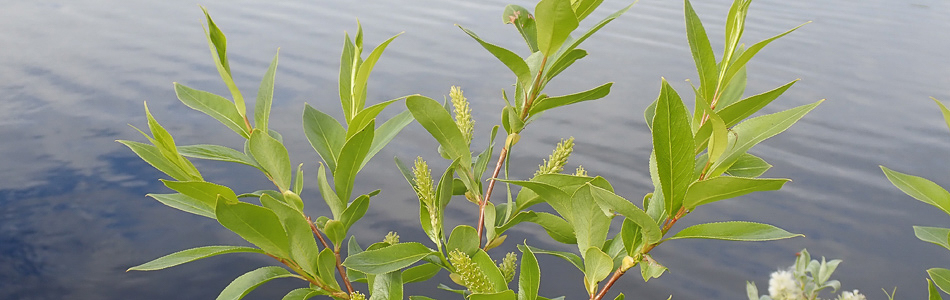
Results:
851 296
782 286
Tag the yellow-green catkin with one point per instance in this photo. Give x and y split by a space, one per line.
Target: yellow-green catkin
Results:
391 238
581 172
356 295
423 179
555 163
507 266
463 114
469 273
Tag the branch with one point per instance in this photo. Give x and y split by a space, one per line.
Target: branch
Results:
491 186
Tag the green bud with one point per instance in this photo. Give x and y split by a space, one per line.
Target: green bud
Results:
581 172
356 295
423 180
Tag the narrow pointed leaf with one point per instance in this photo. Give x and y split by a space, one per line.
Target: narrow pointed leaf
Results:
190 255
325 134
154 157
355 211
388 259
734 231
215 152
513 61
725 187
503 295
936 235
362 76
552 102
437 121
577 42
583 8
749 166
755 130
420 273
272 156
529 275
673 145
246 283
349 61
572 258
747 55
944 110
702 53
265 96
218 45
303 294
387 287
365 116
941 278
303 246
203 191
555 20
933 293
185 203
329 196
564 61
738 111
920 188
351 158
258 225
386 132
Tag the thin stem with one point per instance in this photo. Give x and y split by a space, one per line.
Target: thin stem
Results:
313 227
339 268
535 90
303 275
610 283
491 186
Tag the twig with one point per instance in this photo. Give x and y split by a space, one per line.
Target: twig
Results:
610 283
491 186
336 254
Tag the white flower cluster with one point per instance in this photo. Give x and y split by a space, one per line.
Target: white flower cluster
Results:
783 286
851 296
803 281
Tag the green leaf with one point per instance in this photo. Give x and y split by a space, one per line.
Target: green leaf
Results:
552 102
734 90
749 166
326 268
932 291
941 277
265 96
388 259
524 22
464 238
387 287
555 20
213 105
943 110
303 247
206 192
556 227
503 295
584 7
507 57
258 225
272 156
154 157
529 277
920 188
219 153
597 266
349 63
325 134
437 121
246 283
755 130
420 273
365 116
673 144
351 158
734 231
936 235
747 55
565 61
650 268
329 196
491 271
738 111
557 198
218 45
588 219
650 230
702 54
385 133
298 182
725 187
577 42
303 294
362 76
190 255
185 203
572 258
355 211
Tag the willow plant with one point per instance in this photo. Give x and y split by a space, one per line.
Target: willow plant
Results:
698 159
931 193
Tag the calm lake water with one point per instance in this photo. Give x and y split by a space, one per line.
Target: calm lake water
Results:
73 216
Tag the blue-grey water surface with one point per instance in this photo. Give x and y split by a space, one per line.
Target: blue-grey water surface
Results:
73 74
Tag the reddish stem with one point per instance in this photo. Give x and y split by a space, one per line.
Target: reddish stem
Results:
491 186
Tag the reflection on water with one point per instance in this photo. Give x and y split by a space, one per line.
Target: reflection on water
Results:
72 74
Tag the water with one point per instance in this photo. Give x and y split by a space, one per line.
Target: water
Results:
73 74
